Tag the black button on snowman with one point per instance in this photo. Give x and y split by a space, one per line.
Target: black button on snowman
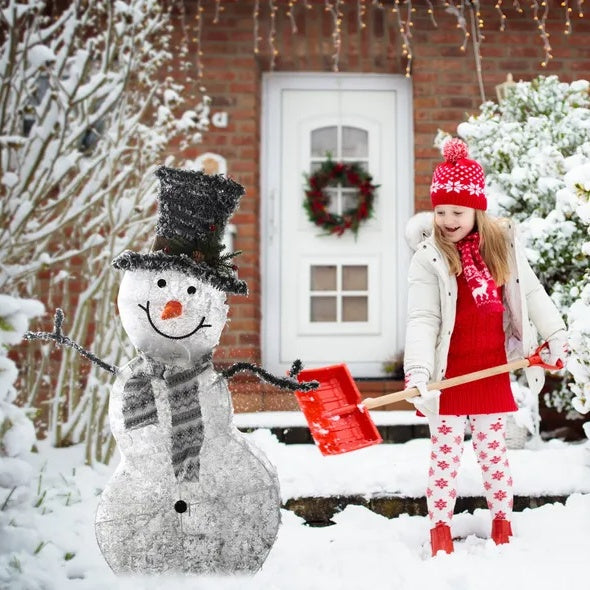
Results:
190 493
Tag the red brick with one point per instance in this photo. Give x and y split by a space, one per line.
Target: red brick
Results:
246 401
280 402
244 325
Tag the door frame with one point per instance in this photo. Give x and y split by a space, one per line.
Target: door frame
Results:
270 181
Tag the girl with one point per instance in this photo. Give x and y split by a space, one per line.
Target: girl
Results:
473 303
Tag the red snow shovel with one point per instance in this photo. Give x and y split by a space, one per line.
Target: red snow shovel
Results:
338 418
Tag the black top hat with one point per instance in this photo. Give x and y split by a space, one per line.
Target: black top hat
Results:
194 210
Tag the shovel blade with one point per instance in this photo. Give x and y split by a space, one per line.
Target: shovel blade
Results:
337 420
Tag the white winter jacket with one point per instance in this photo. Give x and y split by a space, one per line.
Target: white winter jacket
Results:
432 301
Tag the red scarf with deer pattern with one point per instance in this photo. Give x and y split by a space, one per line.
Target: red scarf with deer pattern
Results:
478 276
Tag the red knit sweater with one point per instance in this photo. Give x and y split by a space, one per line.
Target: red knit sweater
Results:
477 343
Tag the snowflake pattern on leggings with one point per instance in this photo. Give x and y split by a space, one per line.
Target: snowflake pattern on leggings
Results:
447 436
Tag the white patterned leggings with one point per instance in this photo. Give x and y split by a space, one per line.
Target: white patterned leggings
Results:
447 435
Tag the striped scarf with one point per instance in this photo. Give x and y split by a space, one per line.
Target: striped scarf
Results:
139 408
478 276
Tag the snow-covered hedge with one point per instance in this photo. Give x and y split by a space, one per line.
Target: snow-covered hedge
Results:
17 433
577 194
535 148
31 557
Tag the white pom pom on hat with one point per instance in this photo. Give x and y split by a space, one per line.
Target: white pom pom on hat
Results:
454 149
458 180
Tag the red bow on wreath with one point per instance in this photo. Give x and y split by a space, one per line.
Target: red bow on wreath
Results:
316 201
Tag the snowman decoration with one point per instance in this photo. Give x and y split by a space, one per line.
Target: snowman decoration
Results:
190 493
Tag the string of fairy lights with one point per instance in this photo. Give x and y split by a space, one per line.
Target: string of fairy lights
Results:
467 13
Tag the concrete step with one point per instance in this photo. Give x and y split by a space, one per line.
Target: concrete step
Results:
316 511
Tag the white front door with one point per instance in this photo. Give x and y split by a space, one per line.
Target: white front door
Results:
331 299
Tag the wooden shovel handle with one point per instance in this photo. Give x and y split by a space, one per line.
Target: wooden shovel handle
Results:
390 398
534 360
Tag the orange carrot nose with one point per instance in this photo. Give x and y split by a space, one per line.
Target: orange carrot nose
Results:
172 309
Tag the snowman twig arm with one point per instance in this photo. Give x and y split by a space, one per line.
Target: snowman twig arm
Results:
289 383
62 340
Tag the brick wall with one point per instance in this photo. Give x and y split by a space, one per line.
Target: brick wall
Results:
445 89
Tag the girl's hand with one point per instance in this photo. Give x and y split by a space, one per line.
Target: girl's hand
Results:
427 402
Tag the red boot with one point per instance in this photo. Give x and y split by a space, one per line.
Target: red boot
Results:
440 539
501 531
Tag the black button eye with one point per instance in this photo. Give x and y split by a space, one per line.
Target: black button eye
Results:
191 290
161 283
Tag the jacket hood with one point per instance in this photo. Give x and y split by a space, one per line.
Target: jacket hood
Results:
418 228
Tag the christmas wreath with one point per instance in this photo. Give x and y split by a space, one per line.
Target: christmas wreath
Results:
316 201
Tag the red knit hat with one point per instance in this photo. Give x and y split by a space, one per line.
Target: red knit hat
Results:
458 180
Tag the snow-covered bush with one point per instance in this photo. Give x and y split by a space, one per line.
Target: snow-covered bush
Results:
577 193
17 433
84 118
17 437
535 148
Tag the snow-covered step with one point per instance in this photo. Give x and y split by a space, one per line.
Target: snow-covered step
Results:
291 427
391 479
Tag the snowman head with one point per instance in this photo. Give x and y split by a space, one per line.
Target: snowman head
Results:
193 211
171 316
172 299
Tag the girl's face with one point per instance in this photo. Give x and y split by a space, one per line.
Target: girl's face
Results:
454 222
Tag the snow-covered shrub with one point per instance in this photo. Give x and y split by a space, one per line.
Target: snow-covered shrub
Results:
579 365
84 118
17 433
535 148
17 437
577 192
527 415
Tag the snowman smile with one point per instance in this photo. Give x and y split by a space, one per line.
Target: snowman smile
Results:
146 308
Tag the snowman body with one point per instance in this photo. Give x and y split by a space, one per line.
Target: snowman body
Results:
150 520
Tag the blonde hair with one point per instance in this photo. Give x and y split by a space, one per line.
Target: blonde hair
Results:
492 245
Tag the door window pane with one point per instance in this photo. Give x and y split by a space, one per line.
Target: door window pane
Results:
323 278
314 167
323 309
323 140
355 278
338 293
355 142
350 199
355 309
333 200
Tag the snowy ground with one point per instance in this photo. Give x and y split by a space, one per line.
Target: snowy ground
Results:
53 545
